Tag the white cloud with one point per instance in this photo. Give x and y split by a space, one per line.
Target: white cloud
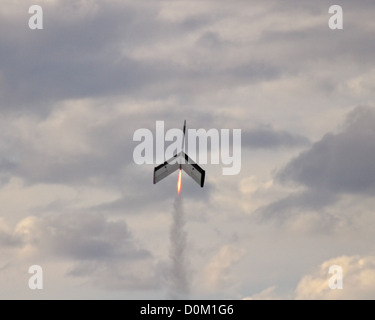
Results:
266 294
218 272
361 85
88 246
358 280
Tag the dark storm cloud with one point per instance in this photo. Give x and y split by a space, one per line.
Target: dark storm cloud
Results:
266 138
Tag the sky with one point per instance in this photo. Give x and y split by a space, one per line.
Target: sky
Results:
74 202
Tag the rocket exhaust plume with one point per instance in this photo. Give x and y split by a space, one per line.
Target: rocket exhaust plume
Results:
179 182
178 275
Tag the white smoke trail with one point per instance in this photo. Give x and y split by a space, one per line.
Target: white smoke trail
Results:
178 275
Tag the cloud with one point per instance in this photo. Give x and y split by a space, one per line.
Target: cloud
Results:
78 54
98 49
7 237
358 280
95 149
73 94
36 150
97 249
79 237
338 164
296 203
266 294
111 48
267 138
218 270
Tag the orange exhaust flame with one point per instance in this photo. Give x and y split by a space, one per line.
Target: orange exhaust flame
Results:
179 182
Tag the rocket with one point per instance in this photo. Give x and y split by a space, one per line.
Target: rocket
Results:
183 162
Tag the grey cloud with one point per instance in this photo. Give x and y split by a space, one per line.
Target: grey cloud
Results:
266 137
108 162
185 65
10 239
78 56
84 56
144 275
296 203
100 250
110 152
253 72
304 50
211 40
82 53
156 195
340 163
85 237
